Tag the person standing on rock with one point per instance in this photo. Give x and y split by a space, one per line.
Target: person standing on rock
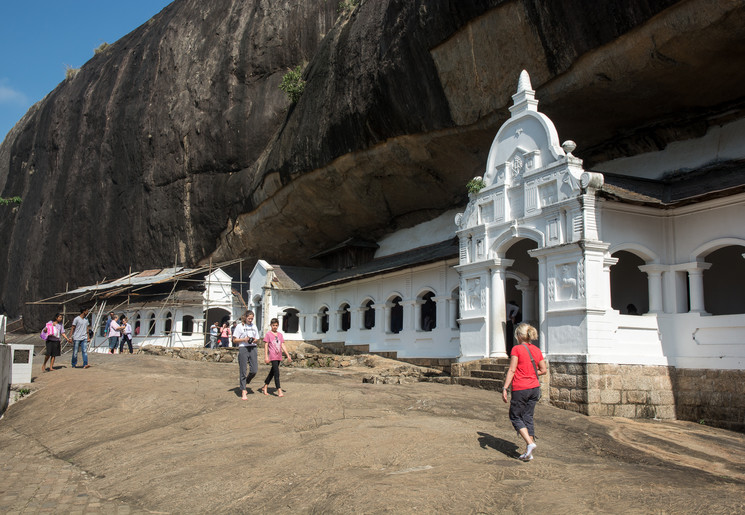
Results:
225 335
214 333
55 332
126 335
80 338
115 329
245 337
274 346
526 389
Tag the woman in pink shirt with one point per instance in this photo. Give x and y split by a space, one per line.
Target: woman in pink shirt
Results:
274 346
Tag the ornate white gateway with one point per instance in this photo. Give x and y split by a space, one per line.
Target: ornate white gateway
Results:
536 201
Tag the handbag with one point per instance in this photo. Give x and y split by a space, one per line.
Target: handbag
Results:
532 361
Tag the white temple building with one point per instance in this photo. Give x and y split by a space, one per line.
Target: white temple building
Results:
634 276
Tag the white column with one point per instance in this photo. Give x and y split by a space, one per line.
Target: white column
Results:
386 318
452 311
410 307
339 314
608 262
417 314
441 304
542 303
361 317
497 309
696 287
528 289
654 283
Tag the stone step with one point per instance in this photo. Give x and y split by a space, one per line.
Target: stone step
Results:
475 382
361 349
487 374
496 367
386 354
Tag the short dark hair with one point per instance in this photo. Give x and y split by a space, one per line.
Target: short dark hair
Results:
83 310
274 321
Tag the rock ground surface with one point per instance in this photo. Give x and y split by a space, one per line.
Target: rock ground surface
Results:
142 434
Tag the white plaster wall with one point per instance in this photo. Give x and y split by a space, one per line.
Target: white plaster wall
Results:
696 225
640 232
721 143
694 341
427 233
440 278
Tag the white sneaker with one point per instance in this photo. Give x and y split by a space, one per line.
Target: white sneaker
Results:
525 457
529 451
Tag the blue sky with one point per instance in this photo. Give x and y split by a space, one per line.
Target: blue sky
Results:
38 38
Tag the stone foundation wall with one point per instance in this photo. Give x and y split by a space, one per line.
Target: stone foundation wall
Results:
714 397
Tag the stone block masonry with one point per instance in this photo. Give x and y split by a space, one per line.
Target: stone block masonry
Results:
712 397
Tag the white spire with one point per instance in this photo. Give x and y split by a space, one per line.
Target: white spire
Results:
524 83
524 99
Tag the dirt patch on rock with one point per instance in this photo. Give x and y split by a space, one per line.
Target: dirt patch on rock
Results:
172 435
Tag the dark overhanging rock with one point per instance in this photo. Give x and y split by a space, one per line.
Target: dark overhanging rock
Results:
178 140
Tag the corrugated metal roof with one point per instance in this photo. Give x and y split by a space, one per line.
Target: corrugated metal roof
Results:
137 279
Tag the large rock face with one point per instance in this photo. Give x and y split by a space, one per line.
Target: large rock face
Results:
176 142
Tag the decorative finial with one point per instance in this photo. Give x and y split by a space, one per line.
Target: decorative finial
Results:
523 84
569 146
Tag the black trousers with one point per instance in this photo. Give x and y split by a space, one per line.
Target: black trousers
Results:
127 339
522 407
274 372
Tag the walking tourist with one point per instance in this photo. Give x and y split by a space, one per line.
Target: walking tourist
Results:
126 336
274 346
55 332
115 329
80 337
225 335
246 336
526 389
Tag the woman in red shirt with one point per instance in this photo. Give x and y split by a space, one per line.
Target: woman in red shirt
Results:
523 375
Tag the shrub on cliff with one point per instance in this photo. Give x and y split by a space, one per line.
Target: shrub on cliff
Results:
293 84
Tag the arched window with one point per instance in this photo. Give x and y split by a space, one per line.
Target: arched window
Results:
151 325
369 316
187 325
724 282
346 317
397 315
324 316
629 288
428 316
169 323
137 325
290 321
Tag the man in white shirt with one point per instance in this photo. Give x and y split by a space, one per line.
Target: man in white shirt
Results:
80 337
246 336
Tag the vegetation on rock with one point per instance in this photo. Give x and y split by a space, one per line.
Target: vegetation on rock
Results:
9 200
293 84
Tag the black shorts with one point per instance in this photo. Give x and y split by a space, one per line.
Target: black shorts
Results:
53 348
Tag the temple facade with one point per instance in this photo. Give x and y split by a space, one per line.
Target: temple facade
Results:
634 276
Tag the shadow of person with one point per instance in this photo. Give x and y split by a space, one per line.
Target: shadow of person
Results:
237 391
509 449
